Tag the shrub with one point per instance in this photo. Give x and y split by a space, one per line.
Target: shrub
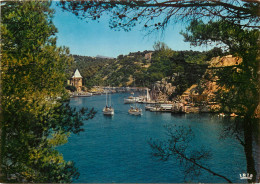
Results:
71 88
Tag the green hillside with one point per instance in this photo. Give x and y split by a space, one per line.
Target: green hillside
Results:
181 68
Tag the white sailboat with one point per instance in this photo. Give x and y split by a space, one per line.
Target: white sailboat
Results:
108 109
135 110
148 97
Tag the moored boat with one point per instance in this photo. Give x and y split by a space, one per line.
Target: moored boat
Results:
149 107
108 110
131 99
135 111
85 95
160 108
81 95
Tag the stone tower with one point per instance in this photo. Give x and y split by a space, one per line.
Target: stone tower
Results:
76 80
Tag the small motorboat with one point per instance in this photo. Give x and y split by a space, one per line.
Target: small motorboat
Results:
135 111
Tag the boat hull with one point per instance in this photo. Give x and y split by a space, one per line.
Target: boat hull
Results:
135 112
128 101
131 99
108 111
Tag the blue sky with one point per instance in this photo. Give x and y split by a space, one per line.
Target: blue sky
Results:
93 38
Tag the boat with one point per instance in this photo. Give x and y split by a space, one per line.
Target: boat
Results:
149 107
81 95
135 111
147 99
84 95
131 99
156 108
96 93
161 108
108 109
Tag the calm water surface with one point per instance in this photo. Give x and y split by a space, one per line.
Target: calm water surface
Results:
116 149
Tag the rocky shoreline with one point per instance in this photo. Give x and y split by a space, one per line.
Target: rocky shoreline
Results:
198 98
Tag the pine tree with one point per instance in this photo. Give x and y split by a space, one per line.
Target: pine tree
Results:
34 117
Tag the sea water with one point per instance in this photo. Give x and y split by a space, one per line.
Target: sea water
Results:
116 149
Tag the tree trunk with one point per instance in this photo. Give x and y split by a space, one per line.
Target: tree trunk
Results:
248 148
258 107
1 127
257 112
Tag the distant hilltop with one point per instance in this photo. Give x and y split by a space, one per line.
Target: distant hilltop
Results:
104 57
145 68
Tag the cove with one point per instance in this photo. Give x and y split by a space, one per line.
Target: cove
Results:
116 149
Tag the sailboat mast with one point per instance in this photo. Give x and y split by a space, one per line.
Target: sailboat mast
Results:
106 98
148 98
110 98
134 97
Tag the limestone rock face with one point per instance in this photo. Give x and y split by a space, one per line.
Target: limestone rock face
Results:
161 90
228 60
210 86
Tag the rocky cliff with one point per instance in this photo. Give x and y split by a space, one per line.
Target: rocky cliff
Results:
208 81
162 90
